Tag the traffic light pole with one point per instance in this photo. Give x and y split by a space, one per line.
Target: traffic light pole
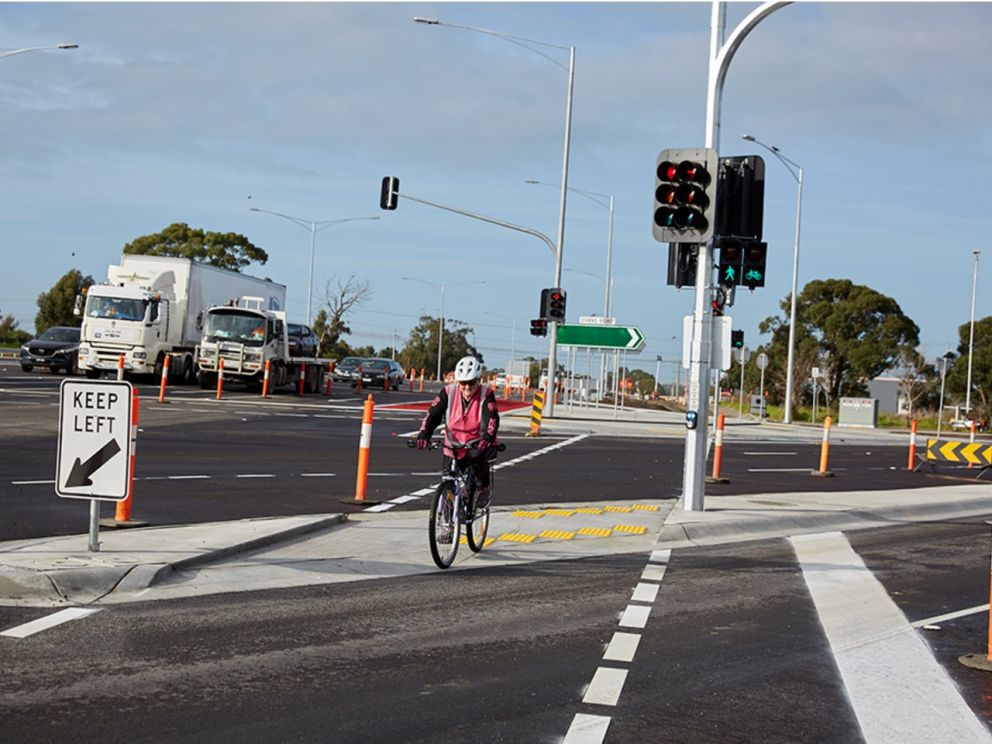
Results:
721 54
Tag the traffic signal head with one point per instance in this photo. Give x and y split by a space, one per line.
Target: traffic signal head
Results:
685 195
682 259
729 267
553 304
753 265
390 193
539 327
740 201
737 339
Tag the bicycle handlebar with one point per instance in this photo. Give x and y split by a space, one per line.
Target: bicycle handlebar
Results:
434 444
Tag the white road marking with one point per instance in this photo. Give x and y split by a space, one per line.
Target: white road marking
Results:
779 470
606 686
661 556
897 689
49 621
644 593
586 729
622 647
653 573
763 454
189 477
951 616
254 475
317 475
380 507
635 616
405 499
32 483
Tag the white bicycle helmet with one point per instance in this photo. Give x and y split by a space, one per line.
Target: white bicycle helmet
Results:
468 368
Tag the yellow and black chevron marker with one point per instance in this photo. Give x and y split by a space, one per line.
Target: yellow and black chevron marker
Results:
536 412
948 450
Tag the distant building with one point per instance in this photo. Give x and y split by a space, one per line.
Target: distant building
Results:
889 395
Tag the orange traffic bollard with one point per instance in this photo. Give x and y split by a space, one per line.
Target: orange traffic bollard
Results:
361 482
718 452
165 379
120 366
421 379
824 451
302 381
912 446
330 377
358 381
413 377
265 378
122 513
220 379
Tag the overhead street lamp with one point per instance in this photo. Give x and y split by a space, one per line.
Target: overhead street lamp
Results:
971 334
313 226
12 52
796 171
527 44
440 322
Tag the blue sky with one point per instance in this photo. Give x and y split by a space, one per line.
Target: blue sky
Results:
188 112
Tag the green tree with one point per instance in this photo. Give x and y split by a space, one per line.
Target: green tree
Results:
55 306
10 335
981 368
421 346
855 332
226 250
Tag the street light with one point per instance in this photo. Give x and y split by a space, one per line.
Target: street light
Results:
592 196
12 52
526 44
971 334
796 171
313 226
440 323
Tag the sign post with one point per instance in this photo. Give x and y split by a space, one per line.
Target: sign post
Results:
94 448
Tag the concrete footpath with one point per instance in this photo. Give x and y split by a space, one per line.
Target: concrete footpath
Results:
160 562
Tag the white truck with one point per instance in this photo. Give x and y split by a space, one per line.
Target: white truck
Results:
151 307
245 334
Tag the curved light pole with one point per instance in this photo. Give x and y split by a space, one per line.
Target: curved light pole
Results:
440 322
796 171
971 334
526 43
313 226
12 52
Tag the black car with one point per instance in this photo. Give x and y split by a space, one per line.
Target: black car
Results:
302 340
377 373
346 370
57 348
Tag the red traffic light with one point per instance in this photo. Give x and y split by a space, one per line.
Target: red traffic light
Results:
667 171
690 170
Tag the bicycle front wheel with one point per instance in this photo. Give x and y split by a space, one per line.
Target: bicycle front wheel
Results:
444 526
477 529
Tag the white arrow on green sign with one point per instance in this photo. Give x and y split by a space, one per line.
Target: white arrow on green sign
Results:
601 337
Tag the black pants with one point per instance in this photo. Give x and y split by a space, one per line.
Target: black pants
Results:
479 465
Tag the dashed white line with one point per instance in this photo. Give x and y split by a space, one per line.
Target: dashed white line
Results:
189 477
49 621
635 616
317 475
32 483
586 729
254 475
606 686
951 616
622 647
644 592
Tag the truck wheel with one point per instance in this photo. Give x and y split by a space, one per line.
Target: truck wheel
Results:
207 380
159 366
188 376
93 374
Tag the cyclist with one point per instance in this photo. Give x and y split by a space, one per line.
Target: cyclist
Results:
468 409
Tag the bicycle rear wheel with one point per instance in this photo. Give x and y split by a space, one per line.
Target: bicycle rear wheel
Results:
476 531
444 527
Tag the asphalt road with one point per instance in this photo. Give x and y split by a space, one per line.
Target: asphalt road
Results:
199 459
732 648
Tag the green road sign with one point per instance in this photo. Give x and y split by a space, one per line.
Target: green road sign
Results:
601 336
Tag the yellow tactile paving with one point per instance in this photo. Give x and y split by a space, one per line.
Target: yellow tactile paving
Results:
559 512
517 537
631 528
624 509
489 541
589 510
557 535
644 507
528 514
595 532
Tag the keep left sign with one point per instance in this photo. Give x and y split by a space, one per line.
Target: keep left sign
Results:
94 439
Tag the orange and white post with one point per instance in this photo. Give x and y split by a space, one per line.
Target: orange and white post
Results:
912 446
421 379
718 451
165 379
120 367
329 379
265 378
303 376
413 377
824 450
361 482
123 510
220 379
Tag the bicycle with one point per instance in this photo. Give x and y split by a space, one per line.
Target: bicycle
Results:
454 505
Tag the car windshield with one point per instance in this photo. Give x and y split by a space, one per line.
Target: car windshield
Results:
294 329
116 308
375 366
350 362
70 335
239 327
